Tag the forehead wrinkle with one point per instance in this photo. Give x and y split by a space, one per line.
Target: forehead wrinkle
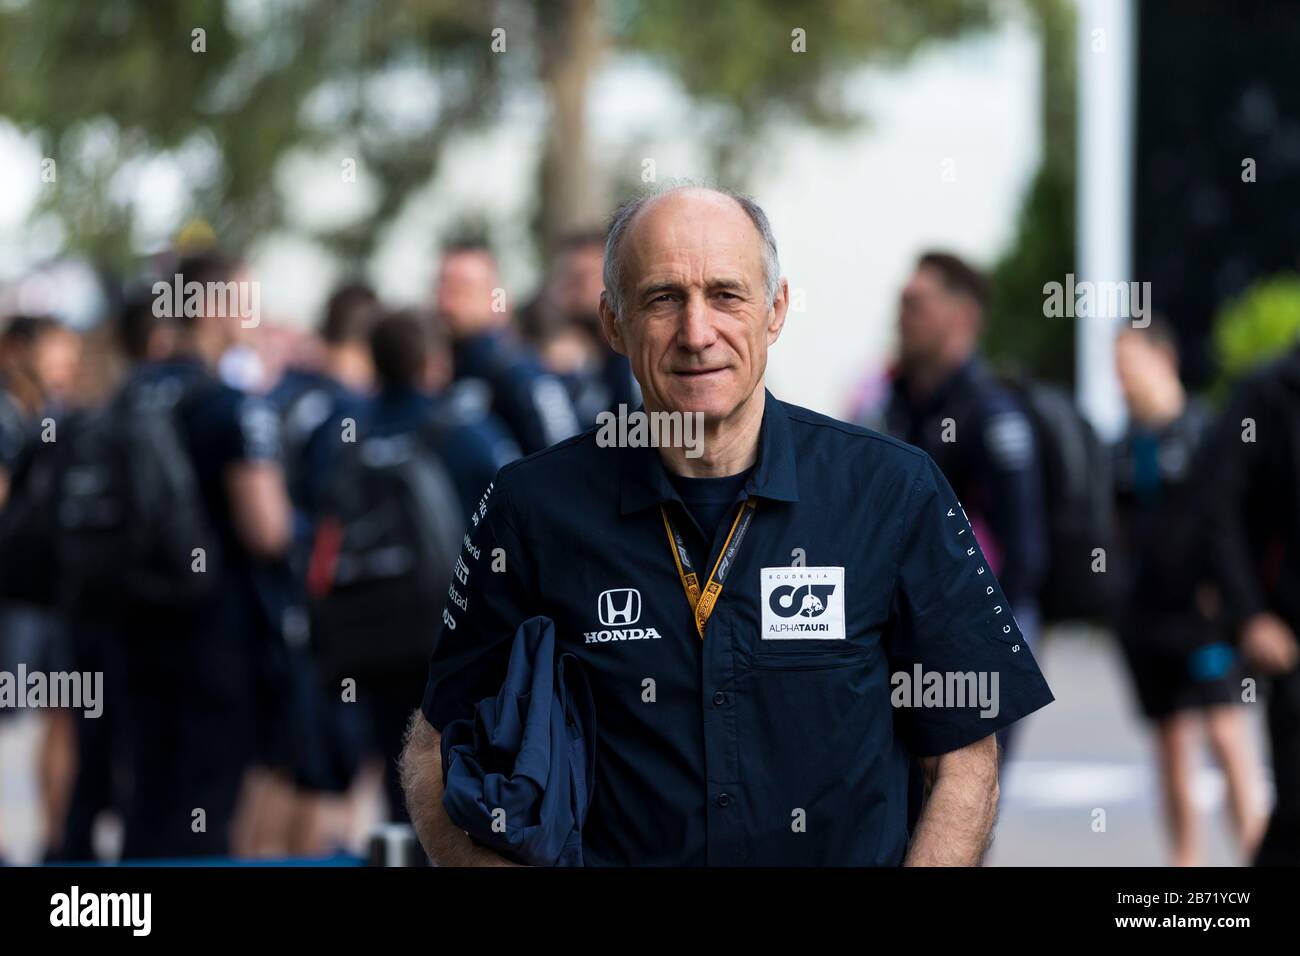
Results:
679 241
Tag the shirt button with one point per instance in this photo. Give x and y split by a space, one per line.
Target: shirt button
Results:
719 698
724 799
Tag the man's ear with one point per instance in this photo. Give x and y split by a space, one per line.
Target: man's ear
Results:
610 325
776 314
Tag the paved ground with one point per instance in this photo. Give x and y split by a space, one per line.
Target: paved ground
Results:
1089 750
19 821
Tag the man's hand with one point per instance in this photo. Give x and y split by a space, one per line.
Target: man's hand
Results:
1268 644
444 842
960 807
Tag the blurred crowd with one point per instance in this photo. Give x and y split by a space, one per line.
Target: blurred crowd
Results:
250 534
1182 536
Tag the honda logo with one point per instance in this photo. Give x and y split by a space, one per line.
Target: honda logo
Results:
620 606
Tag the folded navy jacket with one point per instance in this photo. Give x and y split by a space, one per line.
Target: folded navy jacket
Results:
518 777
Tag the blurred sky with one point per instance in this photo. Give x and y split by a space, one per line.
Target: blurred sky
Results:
851 211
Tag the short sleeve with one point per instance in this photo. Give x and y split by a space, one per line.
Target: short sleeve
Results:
237 428
489 596
960 668
257 430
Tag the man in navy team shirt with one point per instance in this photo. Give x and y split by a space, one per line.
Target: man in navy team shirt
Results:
758 615
202 681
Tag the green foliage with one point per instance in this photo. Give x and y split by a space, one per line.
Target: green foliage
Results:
107 85
1259 324
1017 334
735 57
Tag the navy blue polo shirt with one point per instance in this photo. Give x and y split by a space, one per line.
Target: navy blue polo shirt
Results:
775 739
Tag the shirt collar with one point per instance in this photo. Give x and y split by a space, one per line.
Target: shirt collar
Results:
644 482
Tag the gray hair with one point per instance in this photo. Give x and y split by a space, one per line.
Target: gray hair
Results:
623 216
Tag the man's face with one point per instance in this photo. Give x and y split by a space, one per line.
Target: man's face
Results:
466 283
54 359
696 324
237 325
1142 368
579 280
928 316
222 321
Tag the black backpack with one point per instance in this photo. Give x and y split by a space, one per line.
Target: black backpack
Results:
110 510
388 534
302 411
28 568
1078 490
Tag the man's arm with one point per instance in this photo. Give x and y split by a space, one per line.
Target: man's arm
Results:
1227 470
253 477
259 507
444 842
960 807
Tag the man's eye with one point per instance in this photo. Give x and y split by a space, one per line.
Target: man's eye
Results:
728 295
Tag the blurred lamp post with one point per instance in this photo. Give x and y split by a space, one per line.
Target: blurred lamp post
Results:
1107 91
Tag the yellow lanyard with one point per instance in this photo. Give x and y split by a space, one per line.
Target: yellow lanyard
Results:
702 605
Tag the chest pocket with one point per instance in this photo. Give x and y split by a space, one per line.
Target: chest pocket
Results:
804 658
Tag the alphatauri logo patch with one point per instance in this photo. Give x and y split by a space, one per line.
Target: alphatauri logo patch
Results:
802 603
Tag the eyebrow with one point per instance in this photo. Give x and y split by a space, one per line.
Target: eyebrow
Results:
668 285
656 287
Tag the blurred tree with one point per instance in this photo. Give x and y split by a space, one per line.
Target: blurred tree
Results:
231 89
1260 324
228 90
1017 334
748 63
571 41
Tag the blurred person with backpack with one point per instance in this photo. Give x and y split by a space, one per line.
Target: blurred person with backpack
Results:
1248 473
311 398
492 366
91 479
39 358
943 399
388 531
1185 674
338 380
201 646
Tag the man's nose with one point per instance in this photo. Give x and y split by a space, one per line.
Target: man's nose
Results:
696 332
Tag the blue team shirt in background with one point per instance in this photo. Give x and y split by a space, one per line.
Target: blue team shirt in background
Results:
532 403
228 655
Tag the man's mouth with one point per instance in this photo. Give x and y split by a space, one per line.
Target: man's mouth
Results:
699 373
